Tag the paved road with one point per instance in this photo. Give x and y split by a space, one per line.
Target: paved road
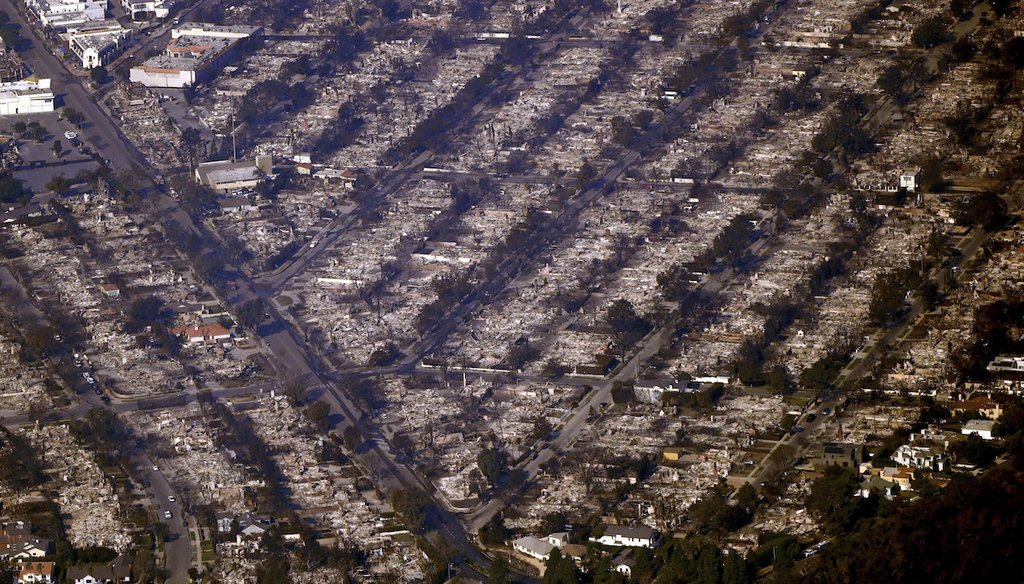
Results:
177 549
98 129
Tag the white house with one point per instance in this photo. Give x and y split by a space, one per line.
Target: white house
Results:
869 485
920 457
910 179
33 572
28 96
535 548
982 428
27 548
624 563
205 334
559 540
627 536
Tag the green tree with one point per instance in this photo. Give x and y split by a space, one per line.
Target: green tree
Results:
931 32
735 569
274 570
193 146
709 564
986 210
493 463
38 131
585 175
494 532
979 452
931 175
627 326
779 379
499 571
887 296
352 438
147 311
13 190
73 116
961 8
58 184
319 413
832 499
57 148
553 522
412 506
561 570
10 36
250 313
98 74
893 81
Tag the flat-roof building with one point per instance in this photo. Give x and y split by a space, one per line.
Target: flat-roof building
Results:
146 9
62 14
225 175
28 96
194 55
97 44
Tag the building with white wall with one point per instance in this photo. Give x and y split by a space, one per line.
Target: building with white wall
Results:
62 14
146 9
195 54
227 175
97 44
28 96
626 536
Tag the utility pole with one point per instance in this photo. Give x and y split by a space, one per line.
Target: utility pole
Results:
234 146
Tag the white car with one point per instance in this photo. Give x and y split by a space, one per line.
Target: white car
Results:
170 498
167 514
70 135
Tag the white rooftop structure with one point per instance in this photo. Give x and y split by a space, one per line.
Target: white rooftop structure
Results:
61 14
194 55
146 9
533 547
28 96
225 175
982 428
97 44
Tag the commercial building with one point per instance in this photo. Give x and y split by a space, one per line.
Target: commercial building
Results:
65 14
28 96
226 175
146 9
195 54
97 44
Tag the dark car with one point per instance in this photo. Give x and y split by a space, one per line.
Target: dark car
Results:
811 417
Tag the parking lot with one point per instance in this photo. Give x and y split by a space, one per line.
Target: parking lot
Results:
40 165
